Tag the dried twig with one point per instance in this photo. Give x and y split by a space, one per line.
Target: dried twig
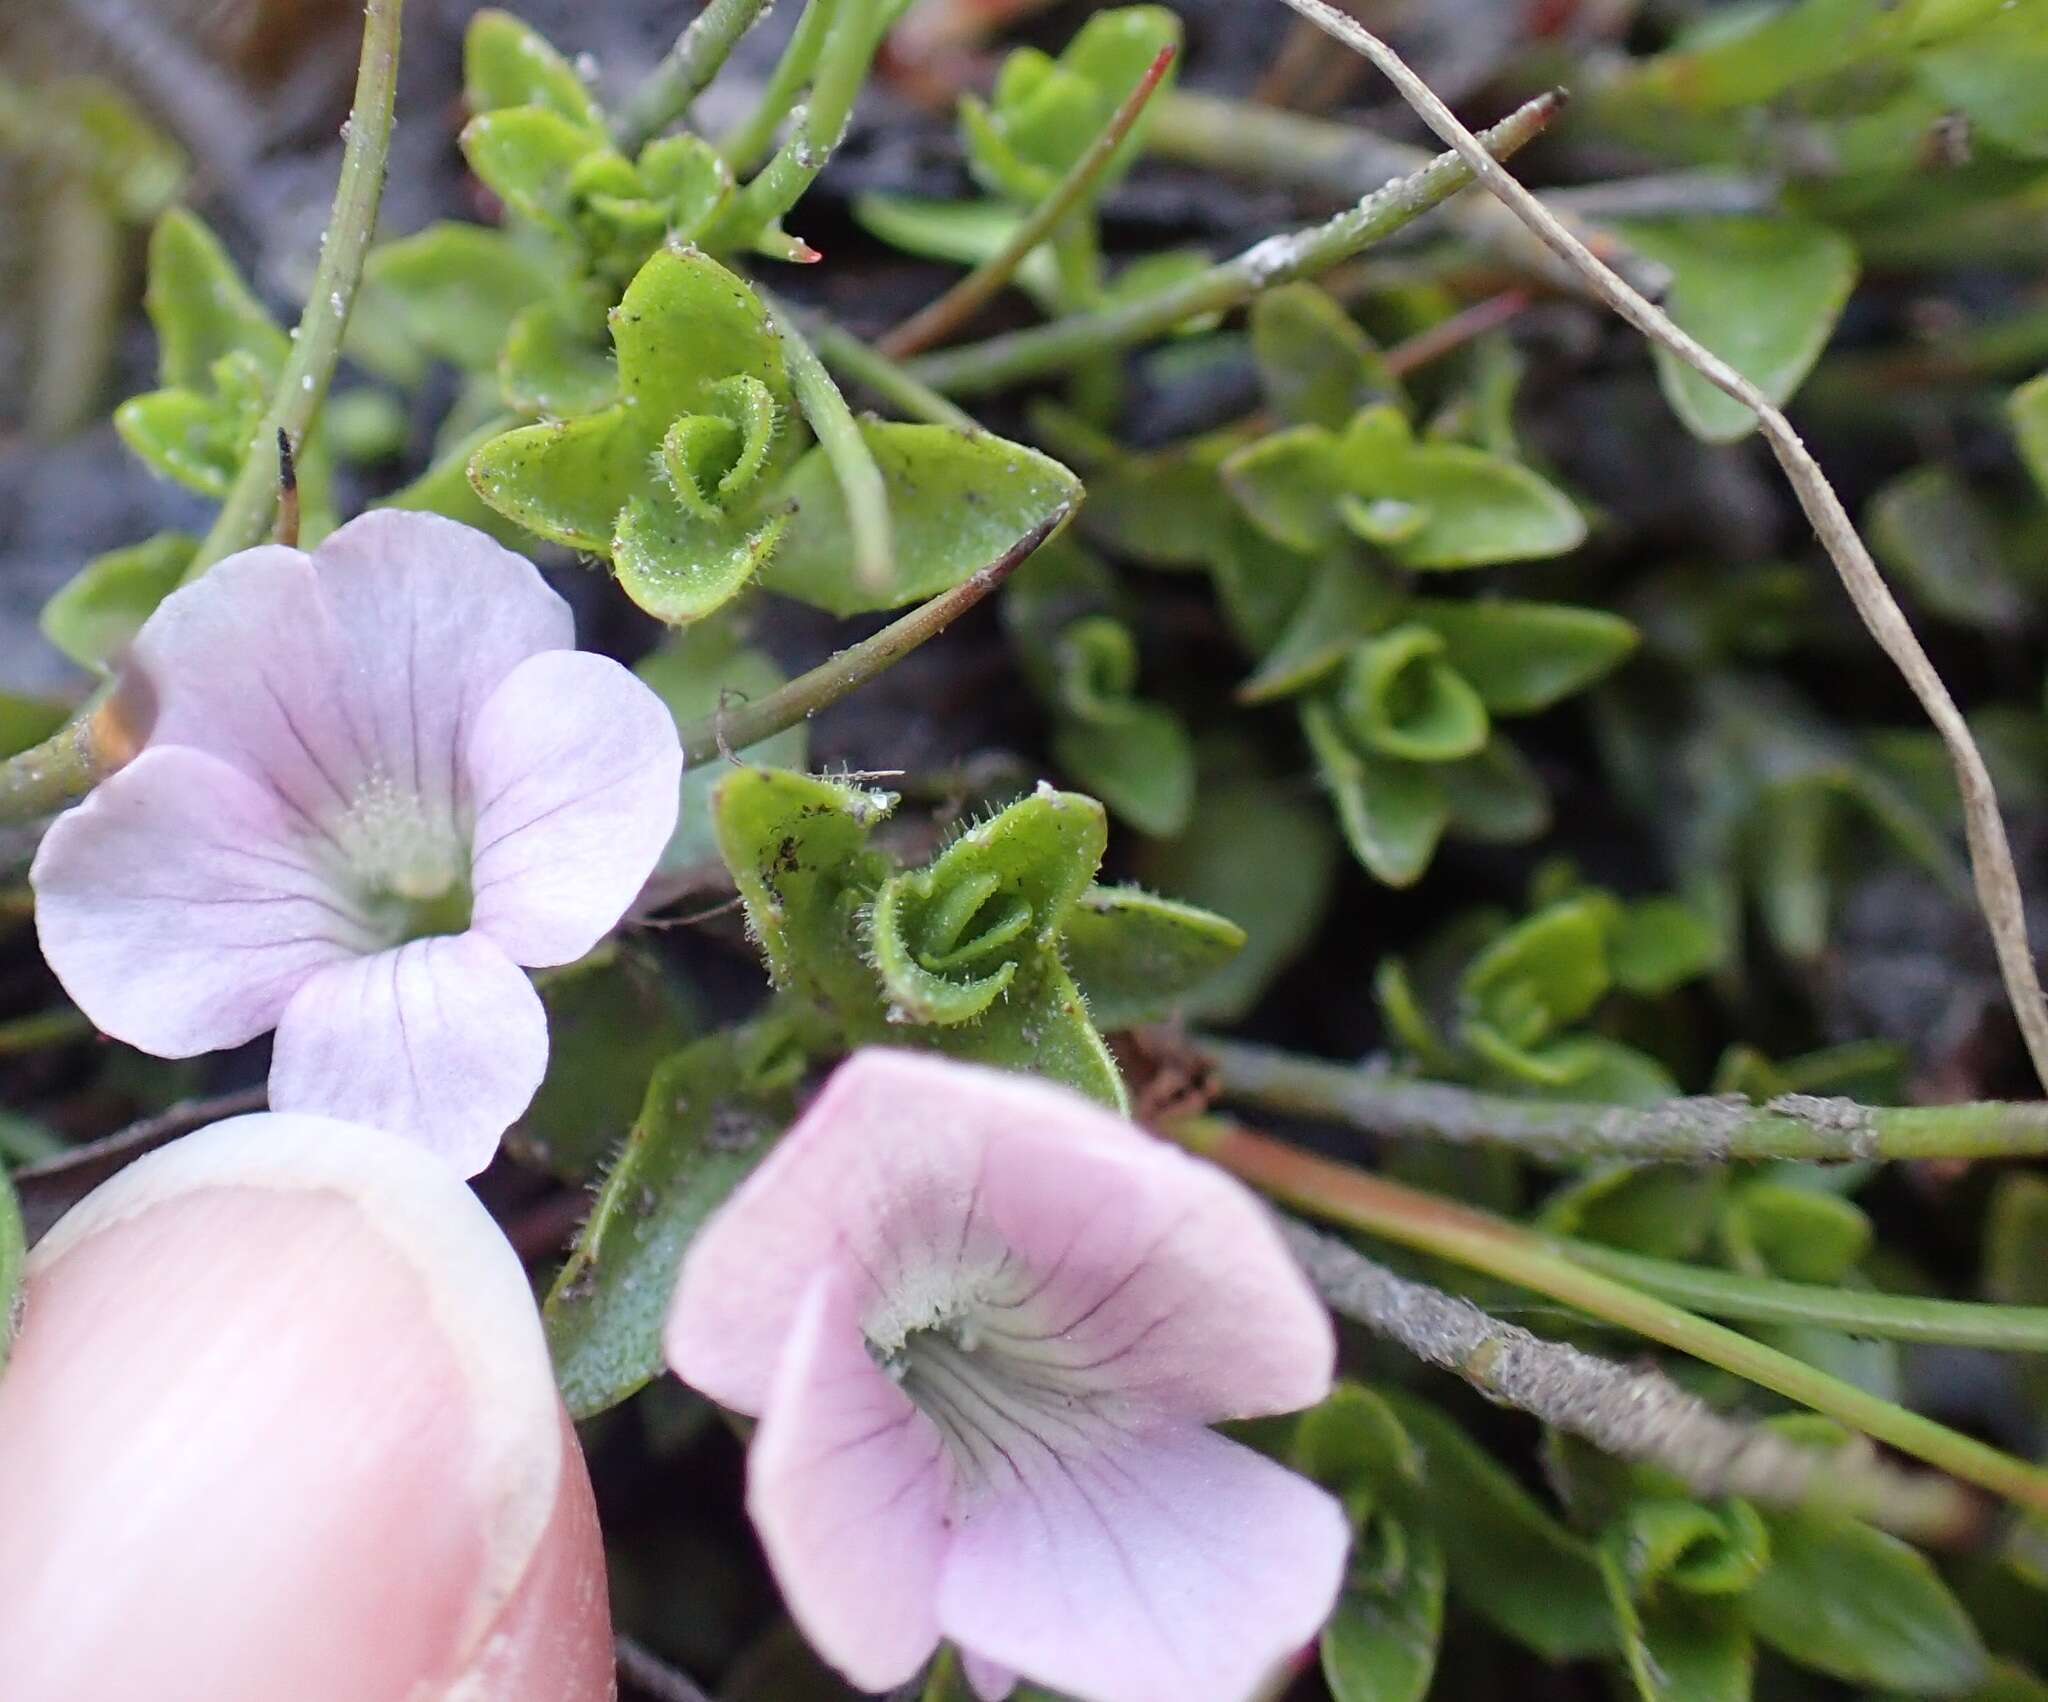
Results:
1998 886
1635 1414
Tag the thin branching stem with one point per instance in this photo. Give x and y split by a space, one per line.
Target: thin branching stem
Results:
245 516
1997 881
936 322
976 368
749 142
1634 1413
863 364
1476 1241
686 70
1703 1129
730 731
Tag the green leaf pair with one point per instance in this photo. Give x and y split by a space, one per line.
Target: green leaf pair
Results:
1001 949
219 354
1496 1004
695 481
1425 506
1045 112
1082 661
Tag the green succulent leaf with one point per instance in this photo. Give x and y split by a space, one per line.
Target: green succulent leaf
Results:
1944 545
455 286
1676 1648
1660 944
540 163
1542 975
1524 657
1393 813
1441 506
1762 293
1495 796
2028 407
1288 484
1861 1606
1402 698
1263 853
98 613
1347 601
1045 112
1166 510
507 63
445 488
556 360
1141 764
693 343
1779 1229
200 306
1135 955
958 500
1381 1642
711 1112
798 850
949 938
1510 1562
1316 366
1666 1211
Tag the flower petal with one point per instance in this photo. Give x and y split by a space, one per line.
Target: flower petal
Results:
429 618
280 1423
1177 1568
442 1040
1137 1266
846 1483
575 767
182 906
244 663
987 1680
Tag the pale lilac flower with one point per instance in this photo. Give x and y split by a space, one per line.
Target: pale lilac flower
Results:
379 780
985 1326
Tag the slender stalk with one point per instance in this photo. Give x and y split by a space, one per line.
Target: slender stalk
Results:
64 767
664 97
13 1252
749 142
1001 361
1991 861
1707 1129
820 125
933 324
866 366
1447 335
730 731
1636 1413
652 1676
1769 1300
245 516
1473 1240
853 464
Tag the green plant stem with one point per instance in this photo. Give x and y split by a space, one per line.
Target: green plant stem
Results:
1476 1241
1708 1128
13 1251
936 322
1771 1300
244 518
1001 361
732 731
749 142
853 464
686 71
755 213
866 366
58 772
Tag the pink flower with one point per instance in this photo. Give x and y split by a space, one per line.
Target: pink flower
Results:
379 780
985 1325
280 1424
